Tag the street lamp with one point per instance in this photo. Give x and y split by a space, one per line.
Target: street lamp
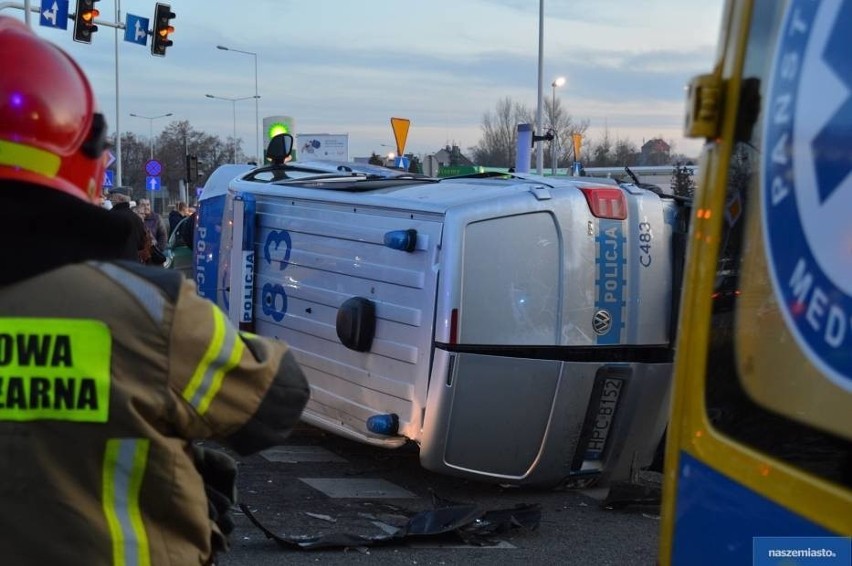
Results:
539 152
150 127
256 98
233 102
554 142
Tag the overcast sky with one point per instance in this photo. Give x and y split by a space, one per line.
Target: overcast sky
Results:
348 66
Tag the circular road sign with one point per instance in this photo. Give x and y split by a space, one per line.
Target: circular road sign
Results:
153 167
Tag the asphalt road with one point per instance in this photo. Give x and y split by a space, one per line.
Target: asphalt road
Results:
321 488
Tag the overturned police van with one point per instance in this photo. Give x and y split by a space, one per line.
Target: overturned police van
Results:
518 329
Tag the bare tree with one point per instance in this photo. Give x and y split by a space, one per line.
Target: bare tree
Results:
601 152
612 153
179 139
564 127
497 147
626 153
135 152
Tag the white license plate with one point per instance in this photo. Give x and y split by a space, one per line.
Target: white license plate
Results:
607 405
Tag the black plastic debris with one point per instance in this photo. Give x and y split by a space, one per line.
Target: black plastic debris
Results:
624 494
470 523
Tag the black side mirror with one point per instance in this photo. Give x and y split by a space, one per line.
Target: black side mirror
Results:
279 148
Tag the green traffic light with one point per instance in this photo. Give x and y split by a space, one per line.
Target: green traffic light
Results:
278 128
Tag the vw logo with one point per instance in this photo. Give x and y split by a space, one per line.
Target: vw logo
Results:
601 322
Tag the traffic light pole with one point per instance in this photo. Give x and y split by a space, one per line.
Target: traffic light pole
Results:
27 12
117 113
28 8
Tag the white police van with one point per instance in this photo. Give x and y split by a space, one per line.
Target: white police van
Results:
518 329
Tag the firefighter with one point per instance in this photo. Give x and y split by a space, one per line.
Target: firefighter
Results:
110 371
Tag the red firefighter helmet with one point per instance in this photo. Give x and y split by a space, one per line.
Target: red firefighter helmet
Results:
50 132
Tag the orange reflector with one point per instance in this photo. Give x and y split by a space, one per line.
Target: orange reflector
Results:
454 326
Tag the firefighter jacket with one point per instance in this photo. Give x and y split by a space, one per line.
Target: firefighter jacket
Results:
108 371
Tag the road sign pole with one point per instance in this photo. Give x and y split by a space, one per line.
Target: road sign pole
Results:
117 113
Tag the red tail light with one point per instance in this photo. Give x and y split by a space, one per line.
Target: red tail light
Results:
606 202
454 326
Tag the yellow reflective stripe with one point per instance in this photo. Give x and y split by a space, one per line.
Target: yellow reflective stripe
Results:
223 354
29 158
54 369
125 460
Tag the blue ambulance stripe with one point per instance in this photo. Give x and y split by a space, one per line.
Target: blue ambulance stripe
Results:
704 494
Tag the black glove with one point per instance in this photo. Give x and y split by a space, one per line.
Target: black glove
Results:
219 472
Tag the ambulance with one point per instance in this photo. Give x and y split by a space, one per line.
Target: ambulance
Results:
518 329
758 464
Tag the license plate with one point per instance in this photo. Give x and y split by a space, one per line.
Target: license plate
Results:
610 392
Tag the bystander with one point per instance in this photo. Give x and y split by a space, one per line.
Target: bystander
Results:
137 246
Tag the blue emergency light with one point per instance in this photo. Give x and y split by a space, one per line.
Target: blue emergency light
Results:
387 425
405 240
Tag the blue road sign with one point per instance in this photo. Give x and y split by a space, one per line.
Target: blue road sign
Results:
136 30
109 179
402 162
53 14
152 183
153 167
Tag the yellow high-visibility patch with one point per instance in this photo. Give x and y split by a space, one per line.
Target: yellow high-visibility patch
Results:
223 354
54 369
30 158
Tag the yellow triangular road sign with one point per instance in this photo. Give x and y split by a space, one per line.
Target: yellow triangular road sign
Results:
400 133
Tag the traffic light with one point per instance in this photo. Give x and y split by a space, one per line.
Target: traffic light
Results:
84 21
191 168
162 29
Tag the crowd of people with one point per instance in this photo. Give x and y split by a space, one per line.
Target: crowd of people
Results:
154 234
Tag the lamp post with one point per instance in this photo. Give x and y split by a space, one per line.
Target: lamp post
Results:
553 143
151 127
539 152
233 102
256 98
